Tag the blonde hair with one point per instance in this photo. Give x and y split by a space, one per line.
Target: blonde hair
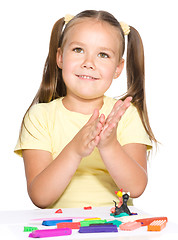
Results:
53 86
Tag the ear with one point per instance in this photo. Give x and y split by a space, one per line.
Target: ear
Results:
119 68
59 60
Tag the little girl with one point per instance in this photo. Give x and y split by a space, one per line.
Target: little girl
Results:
78 145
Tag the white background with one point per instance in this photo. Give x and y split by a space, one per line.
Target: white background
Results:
25 29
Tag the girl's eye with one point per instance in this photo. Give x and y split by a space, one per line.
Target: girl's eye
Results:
78 50
103 55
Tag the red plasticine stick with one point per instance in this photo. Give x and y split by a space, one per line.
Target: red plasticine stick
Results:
72 225
87 208
147 221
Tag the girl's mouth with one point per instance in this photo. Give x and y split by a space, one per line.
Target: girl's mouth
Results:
87 77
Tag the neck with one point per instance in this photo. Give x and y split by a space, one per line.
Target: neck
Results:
84 106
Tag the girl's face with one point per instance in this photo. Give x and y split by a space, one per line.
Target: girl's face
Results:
90 59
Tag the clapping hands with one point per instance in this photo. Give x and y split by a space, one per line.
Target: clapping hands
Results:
100 131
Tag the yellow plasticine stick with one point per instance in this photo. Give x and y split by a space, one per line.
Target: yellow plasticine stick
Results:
88 219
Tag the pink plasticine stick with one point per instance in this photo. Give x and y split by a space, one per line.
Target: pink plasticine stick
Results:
50 233
129 226
58 218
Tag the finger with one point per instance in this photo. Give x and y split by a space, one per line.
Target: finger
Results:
128 99
125 103
95 130
102 119
116 106
94 142
120 103
93 117
108 129
119 109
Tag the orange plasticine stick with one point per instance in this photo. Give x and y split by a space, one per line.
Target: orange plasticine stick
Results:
157 225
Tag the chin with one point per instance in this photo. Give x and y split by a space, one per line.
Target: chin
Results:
90 97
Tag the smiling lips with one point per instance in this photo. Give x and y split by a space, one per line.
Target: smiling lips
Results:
87 77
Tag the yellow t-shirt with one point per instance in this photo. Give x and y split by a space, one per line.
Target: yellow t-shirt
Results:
50 127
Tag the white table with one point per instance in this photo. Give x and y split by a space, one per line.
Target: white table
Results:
12 224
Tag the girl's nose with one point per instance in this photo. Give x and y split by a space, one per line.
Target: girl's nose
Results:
88 63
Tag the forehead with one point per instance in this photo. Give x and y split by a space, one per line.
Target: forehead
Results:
94 30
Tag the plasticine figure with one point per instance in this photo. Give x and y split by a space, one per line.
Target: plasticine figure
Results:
123 208
119 194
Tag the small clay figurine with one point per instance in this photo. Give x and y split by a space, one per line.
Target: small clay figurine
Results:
119 194
123 208
117 209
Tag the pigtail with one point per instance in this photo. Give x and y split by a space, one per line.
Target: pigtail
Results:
50 87
135 68
136 77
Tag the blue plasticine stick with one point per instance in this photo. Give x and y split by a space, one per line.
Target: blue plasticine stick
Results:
54 222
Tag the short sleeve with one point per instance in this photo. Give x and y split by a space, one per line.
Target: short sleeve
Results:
131 130
35 132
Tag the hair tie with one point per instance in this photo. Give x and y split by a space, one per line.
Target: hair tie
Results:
125 27
67 18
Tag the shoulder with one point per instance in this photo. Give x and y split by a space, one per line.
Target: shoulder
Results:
43 109
131 116
42 113
39 119
131 111
131 129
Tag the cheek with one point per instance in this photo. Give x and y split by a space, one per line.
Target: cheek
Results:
68 65
108 72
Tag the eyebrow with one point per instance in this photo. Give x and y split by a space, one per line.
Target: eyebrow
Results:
107 49
101 48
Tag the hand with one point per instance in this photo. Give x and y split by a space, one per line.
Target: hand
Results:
88 137
108 134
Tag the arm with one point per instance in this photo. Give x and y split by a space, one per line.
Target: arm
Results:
48 178
127 164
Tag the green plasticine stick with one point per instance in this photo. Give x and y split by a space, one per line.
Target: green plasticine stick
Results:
30 229
88 222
